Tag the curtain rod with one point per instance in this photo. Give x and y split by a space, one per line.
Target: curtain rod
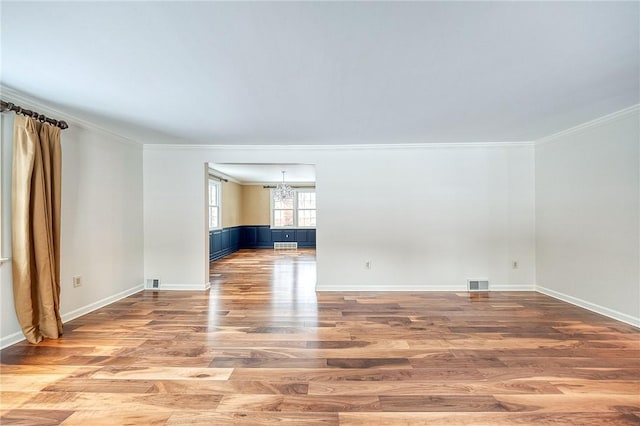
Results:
218 177
293 186
8 106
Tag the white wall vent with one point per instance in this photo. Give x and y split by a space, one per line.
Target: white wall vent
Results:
478 285
285 245
153 283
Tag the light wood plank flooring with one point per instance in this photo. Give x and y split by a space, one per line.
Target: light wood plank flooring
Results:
262 347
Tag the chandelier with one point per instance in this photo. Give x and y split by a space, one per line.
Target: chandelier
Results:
283 191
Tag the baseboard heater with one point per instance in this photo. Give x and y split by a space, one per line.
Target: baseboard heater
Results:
285 245
478 285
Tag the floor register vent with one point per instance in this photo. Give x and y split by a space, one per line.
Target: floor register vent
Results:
478 285
285 246
153 283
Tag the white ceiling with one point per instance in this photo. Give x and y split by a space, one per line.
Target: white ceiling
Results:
325 72
267 173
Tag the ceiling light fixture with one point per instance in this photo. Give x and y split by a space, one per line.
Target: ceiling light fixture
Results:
283 191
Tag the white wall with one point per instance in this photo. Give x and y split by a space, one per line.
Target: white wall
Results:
102 232
8 321
427 217
175 225
587 213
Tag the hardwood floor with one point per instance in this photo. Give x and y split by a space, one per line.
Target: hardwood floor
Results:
262 347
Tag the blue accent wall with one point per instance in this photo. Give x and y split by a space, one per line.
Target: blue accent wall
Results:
223 242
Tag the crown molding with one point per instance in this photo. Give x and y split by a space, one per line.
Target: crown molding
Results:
600 121
346 147
16 97
296 185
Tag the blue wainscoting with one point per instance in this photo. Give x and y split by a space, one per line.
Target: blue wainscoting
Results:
223 242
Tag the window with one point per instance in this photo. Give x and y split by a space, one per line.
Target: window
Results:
283 213
214 204
306 208
299 211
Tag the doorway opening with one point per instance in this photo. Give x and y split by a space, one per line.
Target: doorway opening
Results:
250 219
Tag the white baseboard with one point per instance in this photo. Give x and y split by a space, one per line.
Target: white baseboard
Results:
19 337
11 339
384 288
181 287
100 303
418 287
513 287
611 313
628 319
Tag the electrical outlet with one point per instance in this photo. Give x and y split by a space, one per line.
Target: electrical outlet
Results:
77 281
514 264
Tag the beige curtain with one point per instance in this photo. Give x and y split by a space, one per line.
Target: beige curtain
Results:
35 235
